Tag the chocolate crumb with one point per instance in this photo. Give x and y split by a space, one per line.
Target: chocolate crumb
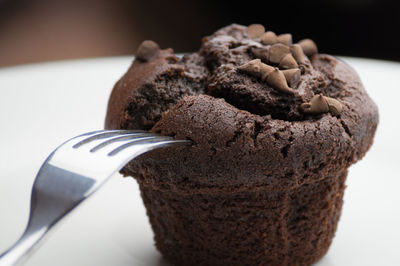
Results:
335 107
255 30
302 69
288 62
172 59
297 53
317 105
309 47
285 38
147 50
277 80
292 76
277 52
269 38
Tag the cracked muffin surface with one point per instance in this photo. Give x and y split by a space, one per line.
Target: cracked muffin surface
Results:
274 126
237 122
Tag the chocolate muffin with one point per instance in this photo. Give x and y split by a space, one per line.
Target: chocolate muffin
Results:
274 127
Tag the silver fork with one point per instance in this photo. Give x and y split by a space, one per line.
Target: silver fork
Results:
73 172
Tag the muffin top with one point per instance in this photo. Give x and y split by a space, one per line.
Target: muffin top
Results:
259 108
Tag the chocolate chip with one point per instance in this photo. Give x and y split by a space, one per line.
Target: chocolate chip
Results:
317 105
288 62
272 75
277 80
335 107
285 38
261 53
269 38
252 68
265 71
147 50
255 30
297 53
309 47
277 52
292 76
257 69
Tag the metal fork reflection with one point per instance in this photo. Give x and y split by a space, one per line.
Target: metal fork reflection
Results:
73 172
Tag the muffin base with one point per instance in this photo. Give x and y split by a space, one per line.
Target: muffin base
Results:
254 227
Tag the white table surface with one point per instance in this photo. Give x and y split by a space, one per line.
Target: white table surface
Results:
41 105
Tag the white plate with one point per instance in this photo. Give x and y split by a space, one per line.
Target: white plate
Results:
42 105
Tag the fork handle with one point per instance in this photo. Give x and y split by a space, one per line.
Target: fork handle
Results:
46 211
22 248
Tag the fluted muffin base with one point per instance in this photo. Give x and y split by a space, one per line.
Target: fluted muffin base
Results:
255 227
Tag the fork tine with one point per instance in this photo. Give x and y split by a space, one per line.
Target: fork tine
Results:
133 136
160 140
104 134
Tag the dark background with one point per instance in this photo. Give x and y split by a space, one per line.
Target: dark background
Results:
42 30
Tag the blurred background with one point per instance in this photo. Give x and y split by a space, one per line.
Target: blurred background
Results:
44 30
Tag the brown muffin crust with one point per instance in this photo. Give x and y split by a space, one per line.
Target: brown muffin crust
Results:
234 140
151 87
263 181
